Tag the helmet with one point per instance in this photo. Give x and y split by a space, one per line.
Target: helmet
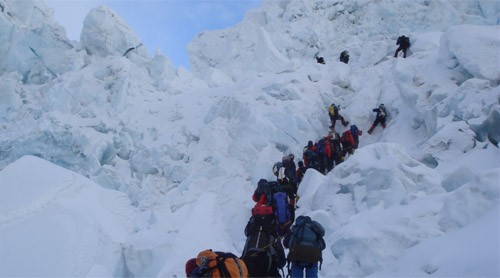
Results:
381 105
291 156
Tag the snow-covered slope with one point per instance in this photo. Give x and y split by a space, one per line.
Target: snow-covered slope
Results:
46 211
188 151
284 34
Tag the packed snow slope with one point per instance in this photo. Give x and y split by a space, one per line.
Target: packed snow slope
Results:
49 211
114 163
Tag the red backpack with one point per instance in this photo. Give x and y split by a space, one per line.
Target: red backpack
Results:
262 208
347 138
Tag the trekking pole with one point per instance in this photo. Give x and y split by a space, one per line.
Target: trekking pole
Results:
288 268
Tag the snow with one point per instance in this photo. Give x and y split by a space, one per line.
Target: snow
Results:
47 210
105 33
467 37
451 255
121 165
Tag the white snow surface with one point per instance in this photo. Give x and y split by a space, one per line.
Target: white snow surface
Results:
113 163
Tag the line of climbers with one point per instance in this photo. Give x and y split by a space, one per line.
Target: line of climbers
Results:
331 150
269 231
403 43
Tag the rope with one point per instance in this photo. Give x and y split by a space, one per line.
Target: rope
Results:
287 133
273 242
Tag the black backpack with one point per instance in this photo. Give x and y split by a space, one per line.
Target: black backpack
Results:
258 261
344 56
262 235
403 41
268 188
407 41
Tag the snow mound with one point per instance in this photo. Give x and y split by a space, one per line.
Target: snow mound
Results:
61 216
385 175
450 255
381 202
484 61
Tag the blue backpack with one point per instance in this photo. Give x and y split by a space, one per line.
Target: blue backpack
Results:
354 131
306 242
321 146
311 155
282 210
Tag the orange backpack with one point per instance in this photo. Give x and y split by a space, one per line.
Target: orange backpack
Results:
221 264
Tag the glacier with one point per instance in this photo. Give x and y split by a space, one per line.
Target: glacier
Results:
115 163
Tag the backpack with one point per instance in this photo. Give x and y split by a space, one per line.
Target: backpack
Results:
321 146
282 211
262 234
306 241
258 262
406 40
347 138
332 110
266 223
311 154
221 264
287 161
354 131
336 146
312 157
267 188
403 41
344 56
262 208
